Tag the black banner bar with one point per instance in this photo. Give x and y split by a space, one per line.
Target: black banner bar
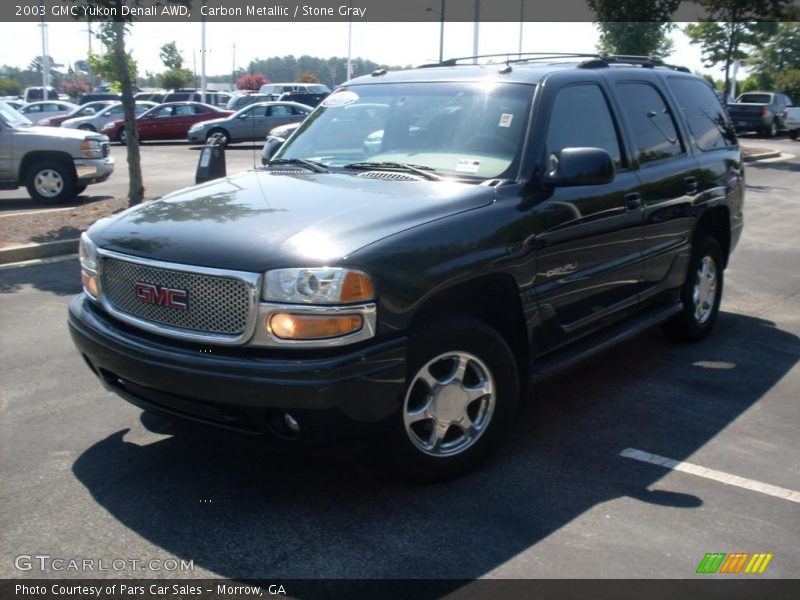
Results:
360 10
711 588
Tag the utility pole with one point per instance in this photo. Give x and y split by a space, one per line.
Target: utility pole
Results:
475 30
203 58
349 42
521 21
91 72
45 60
233 69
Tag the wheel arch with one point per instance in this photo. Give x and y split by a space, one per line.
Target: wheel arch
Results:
493 298
37 156
716 222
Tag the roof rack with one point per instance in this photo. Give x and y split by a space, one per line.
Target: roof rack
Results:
593 61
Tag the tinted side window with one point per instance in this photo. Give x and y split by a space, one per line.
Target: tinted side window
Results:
581 118
651 121
707 120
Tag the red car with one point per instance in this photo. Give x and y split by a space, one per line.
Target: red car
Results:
169 121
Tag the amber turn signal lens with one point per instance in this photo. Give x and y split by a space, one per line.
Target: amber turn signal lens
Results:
288 326
90 284
356 287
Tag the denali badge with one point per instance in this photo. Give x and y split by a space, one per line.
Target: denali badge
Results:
163 296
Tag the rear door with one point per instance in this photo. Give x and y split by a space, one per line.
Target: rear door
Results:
670 176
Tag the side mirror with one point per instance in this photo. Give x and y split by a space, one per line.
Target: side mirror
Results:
579 166
271 146
244 116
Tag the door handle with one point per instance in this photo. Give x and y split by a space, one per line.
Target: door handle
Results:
691 185
633 201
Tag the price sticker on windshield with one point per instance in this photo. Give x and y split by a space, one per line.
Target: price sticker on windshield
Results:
505 120
468 165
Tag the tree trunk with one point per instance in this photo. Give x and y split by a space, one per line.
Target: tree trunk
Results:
136 184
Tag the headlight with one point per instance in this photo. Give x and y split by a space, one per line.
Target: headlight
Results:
87 252
91 149
323 285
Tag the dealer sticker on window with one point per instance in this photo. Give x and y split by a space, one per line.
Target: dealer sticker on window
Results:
505 120
468 165
342 98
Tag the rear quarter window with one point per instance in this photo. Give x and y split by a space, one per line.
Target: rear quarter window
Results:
708 122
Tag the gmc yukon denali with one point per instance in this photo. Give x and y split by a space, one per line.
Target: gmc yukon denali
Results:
426 244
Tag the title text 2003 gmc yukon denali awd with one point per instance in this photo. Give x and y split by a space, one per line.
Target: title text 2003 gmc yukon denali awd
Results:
423 246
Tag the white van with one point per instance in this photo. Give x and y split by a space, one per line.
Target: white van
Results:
282 88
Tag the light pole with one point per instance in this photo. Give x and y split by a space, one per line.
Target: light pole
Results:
349 42
441 29
521 21
476 30
45 60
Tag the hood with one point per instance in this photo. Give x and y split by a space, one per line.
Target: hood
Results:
51 132
259 220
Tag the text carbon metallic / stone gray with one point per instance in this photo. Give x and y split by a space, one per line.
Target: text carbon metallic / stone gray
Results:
214 304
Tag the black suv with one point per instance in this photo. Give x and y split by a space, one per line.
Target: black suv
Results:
424 246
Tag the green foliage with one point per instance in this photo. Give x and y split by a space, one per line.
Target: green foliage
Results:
788 82
634 27
774 61
10 87
174 79
171 56
105 67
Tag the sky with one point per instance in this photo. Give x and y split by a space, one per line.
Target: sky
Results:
384 43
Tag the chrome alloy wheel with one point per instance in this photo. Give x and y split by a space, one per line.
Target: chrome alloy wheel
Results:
49 183
705 290
449 404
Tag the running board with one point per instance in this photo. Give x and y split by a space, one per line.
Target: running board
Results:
585 348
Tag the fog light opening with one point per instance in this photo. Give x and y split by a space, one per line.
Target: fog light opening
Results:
291 423
284 425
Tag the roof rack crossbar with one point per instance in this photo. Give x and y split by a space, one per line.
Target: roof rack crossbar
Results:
593 60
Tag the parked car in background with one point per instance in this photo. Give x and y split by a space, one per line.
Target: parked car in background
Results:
759 111
54 164
39 112
251 123
791 118
87 110
311 99
242 99
157 97
213 98
169 121
275 140
34 93
110 113
14 103
95 96
282 88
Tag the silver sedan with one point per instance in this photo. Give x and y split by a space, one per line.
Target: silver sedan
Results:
96 121
251 123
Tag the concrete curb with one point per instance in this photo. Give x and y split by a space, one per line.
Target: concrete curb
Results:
50 249
14 254
761 155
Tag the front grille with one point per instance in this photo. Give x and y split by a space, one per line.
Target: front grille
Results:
215 304
105 147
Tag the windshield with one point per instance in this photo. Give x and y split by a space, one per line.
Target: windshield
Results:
12 117
463 129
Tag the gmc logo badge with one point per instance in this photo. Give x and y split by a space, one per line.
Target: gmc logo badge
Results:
163 296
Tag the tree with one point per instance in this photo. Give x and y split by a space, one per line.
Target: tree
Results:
75 88
307 77
10 87
105 66
634 27
176 78
171 57
732 28
112 34
775 57
252 81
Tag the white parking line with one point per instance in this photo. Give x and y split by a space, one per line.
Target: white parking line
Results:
722 477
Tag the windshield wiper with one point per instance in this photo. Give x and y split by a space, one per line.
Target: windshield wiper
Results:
421 170
313 165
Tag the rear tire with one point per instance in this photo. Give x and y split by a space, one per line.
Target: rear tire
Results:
122 137
793 134
461 395
701 293
772 130
50 181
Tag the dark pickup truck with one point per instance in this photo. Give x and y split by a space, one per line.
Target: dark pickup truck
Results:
760 111
426 244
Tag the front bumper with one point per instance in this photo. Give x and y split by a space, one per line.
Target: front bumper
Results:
93 170
197 136
240 388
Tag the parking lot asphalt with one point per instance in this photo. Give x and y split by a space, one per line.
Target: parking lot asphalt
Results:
167 166
87 475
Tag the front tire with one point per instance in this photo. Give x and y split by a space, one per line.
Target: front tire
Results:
461 395
50 181
87 128
701 292
218 137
